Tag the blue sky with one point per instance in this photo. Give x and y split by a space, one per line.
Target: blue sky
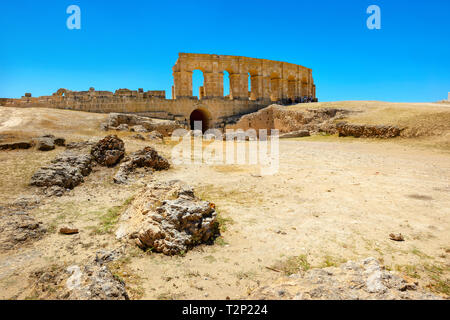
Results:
134 44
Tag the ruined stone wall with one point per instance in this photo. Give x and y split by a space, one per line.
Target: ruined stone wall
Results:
271 81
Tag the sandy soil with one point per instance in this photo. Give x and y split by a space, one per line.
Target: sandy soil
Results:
332 200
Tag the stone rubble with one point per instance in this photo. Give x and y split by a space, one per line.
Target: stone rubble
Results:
48 142
145 158
135 123
92 280
65 172
362 280
367 131
108 151
18 228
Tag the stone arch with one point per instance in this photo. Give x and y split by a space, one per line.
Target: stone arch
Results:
61 92
200 114
200 88
304 87
275 86
292 89
228 94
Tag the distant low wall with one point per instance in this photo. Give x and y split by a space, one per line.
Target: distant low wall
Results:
217 109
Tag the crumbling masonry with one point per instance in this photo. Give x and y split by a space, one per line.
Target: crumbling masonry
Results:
270 82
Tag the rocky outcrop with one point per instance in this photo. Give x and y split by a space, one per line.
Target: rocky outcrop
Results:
65 172
168 218
92 280
287 120
18 228
135 123
146 158
367 131
16 145
155 135
139 128
363 280
108 151
80 145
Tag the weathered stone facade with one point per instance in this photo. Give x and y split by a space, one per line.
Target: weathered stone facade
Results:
271 82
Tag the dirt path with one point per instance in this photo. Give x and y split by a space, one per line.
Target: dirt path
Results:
330 201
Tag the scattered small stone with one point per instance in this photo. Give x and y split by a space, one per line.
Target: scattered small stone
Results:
66 230
138 136
155 135
396 237
44 144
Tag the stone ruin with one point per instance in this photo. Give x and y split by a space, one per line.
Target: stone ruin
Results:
270 82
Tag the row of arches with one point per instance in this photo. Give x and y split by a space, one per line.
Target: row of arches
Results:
198 81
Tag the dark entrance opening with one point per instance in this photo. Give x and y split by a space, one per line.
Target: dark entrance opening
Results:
199 115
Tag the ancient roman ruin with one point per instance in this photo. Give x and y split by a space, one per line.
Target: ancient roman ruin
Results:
270 82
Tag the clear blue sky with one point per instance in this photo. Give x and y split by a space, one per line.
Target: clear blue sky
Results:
134 44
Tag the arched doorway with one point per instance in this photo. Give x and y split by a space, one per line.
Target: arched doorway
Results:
199 115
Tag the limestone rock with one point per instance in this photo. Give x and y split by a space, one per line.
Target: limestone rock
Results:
65 172
138 136
165 127
45 144
108 151
155 135
91 280
48 142
362 280
122 127
18 228
367 131
80 145
145 158
169 218
139 128
15 145
287 120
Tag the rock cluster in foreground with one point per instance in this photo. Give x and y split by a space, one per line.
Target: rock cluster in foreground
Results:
108 151
145 158
91 281
168 218
65 172
363 280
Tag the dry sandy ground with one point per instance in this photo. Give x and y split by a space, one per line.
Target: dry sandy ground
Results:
332 200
